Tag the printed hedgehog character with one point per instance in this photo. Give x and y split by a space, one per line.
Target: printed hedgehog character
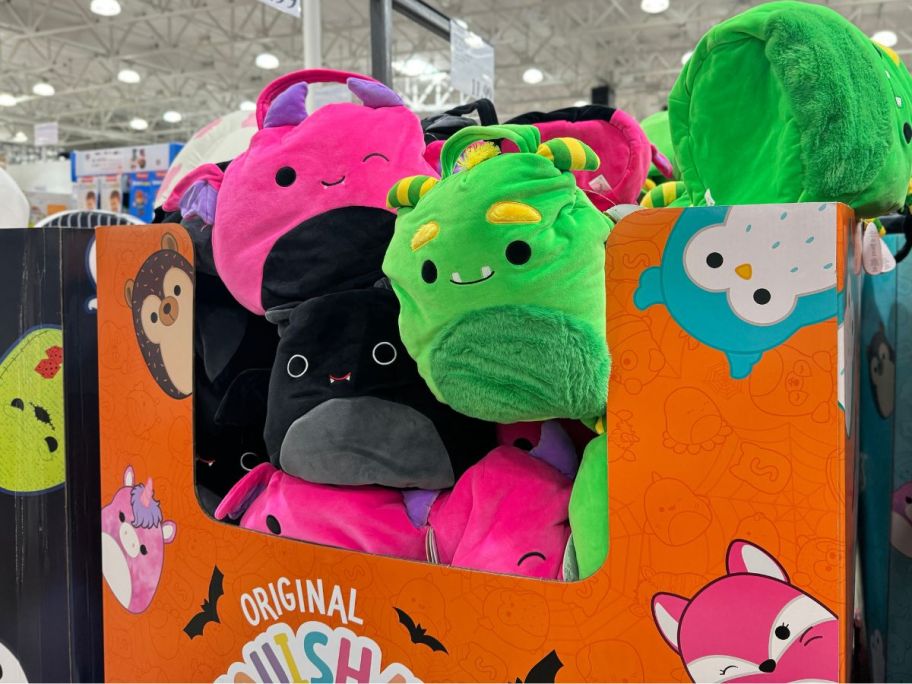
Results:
499 271
161 299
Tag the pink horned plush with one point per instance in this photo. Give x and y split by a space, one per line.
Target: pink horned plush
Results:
133 538
751 625
303 210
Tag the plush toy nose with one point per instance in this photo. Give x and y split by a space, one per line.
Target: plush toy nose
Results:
768 666
745 271
168 310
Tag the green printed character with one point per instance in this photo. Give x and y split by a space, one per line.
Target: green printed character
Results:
31 413
499 270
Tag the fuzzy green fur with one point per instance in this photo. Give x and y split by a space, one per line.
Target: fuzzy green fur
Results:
790 102
497 362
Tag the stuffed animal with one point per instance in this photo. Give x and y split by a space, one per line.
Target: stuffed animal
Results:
347 406
302 212
790 102
658 131
499 270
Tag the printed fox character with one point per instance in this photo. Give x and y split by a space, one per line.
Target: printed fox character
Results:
751 625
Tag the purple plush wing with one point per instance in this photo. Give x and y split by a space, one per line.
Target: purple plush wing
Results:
199 200
556 449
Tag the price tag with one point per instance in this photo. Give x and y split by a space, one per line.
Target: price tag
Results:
471 63
292 7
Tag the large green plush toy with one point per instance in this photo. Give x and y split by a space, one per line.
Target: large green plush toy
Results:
790 102
31 413
499 270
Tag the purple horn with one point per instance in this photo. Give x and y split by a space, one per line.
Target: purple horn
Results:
289 108
373 93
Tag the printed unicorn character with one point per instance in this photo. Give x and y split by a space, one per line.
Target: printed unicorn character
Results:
751 625
901 519
133 538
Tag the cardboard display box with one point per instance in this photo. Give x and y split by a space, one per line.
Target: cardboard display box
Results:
50 597
731 452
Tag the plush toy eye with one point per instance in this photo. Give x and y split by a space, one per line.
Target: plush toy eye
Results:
428 271
762 296
285 176
154 317
273 524
375 154
51 444
297 365
177 290
907 131
714 260
384 353
17 403
518 252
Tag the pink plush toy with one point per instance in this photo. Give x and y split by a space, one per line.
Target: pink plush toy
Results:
303 210
507 513
133 537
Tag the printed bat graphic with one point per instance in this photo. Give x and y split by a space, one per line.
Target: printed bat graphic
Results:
209 606
418 634
545 670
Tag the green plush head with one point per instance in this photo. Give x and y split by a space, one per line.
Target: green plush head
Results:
657 130
790 102
31 413
499 270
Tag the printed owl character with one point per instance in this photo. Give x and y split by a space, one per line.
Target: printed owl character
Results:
499 270
745 279
830 115
31 413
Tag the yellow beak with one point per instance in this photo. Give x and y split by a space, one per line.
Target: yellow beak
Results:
745 271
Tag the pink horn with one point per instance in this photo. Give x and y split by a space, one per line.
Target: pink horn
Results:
146 496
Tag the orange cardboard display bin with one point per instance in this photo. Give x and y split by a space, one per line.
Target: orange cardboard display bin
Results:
731 459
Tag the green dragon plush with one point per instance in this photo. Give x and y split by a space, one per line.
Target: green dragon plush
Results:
499 270
656 128
790 102
31 413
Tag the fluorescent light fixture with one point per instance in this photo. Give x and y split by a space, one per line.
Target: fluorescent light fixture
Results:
533 76
247 106
686 57
105 8
654 6
267 60
581 103
43 89
414 66
128 76
20 137
172 117
8 100
138 124
885 38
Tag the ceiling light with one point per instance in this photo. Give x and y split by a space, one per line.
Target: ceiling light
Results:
413 66
7 100
247 106
267 60
20 137
43 89
654 6
128 76
580 103
533 76
686 57
105 8
172 117
138 124
885 38
461 23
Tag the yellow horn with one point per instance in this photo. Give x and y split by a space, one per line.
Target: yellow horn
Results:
408 191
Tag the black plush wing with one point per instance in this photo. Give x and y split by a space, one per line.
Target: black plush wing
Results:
407 621
545 670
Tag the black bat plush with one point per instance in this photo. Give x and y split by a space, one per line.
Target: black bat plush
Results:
545 670
209 606
418 634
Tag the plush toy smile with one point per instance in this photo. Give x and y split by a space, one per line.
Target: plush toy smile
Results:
345 378
335 182
486 273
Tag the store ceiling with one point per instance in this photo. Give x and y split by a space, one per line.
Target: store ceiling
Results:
197 57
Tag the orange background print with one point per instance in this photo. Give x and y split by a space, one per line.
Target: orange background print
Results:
696 459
